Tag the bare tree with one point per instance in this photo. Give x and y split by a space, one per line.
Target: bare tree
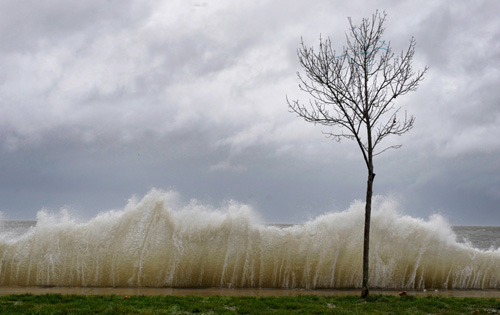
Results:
354 92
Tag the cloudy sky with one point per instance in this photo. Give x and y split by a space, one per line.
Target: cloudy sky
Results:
103 100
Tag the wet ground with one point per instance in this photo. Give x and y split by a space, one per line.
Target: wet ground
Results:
232 292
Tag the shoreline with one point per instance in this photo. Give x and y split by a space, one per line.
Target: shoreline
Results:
8 290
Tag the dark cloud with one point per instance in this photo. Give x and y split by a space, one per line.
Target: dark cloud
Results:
30 25
103 100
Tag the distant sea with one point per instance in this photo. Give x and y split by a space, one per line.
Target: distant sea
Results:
480 237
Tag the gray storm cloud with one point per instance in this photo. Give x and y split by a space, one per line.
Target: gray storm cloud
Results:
102 100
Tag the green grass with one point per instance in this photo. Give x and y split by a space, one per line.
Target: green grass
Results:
308 304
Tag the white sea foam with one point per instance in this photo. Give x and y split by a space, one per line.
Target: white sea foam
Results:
158 242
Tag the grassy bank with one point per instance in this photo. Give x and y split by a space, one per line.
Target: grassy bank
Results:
115 304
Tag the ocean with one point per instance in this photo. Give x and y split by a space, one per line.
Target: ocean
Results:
157 242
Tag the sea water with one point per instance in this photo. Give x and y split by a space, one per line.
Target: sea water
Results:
159 242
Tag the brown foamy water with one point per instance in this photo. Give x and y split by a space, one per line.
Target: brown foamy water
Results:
157 243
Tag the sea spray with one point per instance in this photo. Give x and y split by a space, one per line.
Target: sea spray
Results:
158 242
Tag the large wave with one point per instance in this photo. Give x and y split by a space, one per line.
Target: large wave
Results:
158 242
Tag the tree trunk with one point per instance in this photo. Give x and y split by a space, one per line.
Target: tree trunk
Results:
366 243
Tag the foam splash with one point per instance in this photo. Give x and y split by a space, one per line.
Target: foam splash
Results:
156 242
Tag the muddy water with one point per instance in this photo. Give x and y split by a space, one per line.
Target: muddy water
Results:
157 243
